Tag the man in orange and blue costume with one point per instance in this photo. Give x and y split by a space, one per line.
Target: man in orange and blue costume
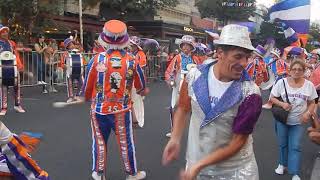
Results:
110 77
8 45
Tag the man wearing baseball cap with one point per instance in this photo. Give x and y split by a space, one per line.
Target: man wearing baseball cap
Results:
219 96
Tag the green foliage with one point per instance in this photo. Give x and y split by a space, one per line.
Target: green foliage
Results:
270 30
23 16
314 37
215 8
127 9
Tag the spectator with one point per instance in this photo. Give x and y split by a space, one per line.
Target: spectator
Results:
302 95
40 48
51 63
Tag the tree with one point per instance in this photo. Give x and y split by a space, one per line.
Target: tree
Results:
271 30
129 9
314 37
226 9
23 16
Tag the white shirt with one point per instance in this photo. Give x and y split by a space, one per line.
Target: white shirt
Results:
216 88
298 98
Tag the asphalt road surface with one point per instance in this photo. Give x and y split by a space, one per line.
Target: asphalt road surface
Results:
65 150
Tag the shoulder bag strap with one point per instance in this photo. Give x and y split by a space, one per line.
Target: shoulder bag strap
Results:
285 89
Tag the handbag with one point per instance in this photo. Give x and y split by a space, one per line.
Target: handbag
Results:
278 112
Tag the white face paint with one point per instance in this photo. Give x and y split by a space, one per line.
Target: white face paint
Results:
115 81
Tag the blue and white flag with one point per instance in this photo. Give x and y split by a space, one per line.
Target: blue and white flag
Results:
295 13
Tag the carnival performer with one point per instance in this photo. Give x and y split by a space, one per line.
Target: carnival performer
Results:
9 45
220 98
108 84
138 105
278 68
201 52
15 160
70 78
97 48
178 69
311 63
257 68
277 64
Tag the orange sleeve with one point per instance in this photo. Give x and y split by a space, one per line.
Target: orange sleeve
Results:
169 74
17 54
196 60
184 99
62 58
142 59
90 79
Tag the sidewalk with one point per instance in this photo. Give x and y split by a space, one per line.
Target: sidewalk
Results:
316 170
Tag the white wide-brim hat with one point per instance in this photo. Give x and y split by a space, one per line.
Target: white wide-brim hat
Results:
235 35
187 39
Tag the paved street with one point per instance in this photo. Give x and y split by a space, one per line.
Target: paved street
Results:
65 151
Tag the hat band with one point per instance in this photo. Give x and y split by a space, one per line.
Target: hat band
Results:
114 40
4 28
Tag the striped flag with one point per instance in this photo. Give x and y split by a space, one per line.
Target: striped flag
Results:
295 14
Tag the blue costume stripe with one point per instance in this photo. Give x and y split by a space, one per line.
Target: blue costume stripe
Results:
25 162
100 82
141 76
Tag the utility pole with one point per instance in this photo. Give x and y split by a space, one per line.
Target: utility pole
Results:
80 20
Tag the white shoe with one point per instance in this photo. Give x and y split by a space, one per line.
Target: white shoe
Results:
138 176
19 109
3 112
70 100
168 135
54 90
39 83
296 177
45 91
97 176
279 170
44 83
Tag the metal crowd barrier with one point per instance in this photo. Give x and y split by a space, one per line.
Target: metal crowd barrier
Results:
40 67
156 67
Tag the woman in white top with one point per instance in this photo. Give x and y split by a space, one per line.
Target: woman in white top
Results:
302 94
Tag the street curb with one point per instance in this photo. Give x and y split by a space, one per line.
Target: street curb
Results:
315 175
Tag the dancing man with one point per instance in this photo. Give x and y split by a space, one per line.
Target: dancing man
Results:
110 78
220 98
8 45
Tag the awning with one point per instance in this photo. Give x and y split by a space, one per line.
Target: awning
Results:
62 24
